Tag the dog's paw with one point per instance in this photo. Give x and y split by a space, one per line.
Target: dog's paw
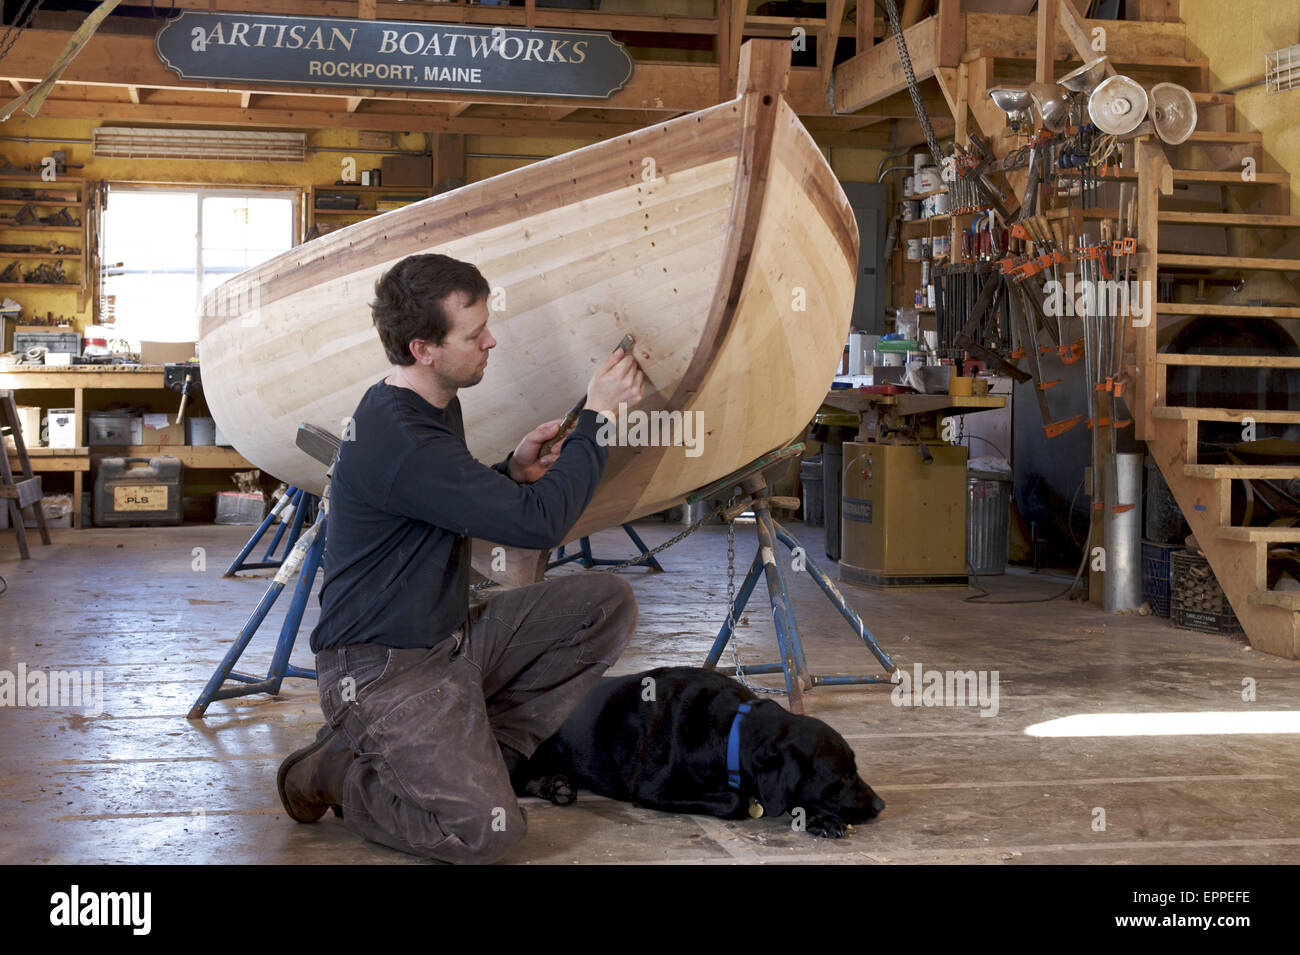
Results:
558 790
828 827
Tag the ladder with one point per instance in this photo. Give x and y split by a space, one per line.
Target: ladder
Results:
26 489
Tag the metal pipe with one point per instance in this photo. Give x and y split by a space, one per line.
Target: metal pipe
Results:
1122 580
886 172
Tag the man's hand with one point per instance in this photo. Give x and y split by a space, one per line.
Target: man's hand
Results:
618 380
525 466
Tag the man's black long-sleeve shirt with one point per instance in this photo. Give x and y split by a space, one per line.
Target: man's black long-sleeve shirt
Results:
405 498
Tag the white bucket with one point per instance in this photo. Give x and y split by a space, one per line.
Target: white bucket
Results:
927 179
908 185
940 203
920 161
910 210
914 250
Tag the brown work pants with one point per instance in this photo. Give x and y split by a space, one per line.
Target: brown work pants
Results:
429 777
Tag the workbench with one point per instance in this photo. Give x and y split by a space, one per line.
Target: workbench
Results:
76 386
903 509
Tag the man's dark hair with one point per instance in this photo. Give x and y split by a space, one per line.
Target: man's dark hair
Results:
409 298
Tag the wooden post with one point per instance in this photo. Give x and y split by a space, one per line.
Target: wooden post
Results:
829 39
1154 177
1078 35
1044 57
952 38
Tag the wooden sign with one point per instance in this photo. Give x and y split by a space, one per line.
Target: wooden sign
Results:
391 54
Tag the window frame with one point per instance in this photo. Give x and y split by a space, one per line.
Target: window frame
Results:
201 191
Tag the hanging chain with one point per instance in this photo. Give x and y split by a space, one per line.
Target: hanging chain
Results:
913 88
731 611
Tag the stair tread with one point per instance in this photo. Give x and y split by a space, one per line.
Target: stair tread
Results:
1167 309
1270 534
1249 471
1261 416
1137 59
1288 599
1230 177
1230 361
1223 136
1227 262
1257 221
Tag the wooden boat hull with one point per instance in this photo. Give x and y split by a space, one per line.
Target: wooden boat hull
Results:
720 240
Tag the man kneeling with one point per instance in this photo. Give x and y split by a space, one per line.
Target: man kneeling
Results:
430 706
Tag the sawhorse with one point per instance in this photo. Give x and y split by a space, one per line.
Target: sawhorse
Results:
756 495
305 550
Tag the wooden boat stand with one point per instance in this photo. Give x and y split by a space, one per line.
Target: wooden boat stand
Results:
302 549
755 495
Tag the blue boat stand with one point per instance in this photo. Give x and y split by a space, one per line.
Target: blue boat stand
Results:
584 554
756 495
307 552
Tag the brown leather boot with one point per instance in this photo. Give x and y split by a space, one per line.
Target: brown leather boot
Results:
311 779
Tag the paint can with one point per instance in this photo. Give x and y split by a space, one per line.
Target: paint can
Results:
920 161
927 179
914 250
940 203
908 187
940 247
910 210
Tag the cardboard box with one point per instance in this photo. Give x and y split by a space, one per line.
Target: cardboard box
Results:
158 429
163 353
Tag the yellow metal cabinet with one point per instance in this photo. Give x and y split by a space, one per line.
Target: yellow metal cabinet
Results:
904 521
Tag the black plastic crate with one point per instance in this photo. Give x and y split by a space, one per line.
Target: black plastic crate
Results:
1197 601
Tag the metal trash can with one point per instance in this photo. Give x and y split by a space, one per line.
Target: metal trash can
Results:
988 522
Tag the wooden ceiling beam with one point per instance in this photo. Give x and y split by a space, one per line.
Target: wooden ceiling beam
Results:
406 120
871 76
130 60
829 39
453 14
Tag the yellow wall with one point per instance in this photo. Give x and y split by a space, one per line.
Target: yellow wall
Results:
1235 44
1235 38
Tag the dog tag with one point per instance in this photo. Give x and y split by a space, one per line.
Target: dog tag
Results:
755 808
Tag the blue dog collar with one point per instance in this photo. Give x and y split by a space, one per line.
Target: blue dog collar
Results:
733 746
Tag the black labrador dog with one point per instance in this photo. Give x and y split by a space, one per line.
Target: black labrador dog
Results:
660 739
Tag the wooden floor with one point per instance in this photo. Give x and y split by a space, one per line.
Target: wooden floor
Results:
142 784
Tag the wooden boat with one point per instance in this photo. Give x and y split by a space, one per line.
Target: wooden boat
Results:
720 240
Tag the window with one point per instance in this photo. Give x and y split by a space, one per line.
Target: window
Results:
167 248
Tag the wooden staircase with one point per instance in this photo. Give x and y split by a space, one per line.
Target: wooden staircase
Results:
1238 555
